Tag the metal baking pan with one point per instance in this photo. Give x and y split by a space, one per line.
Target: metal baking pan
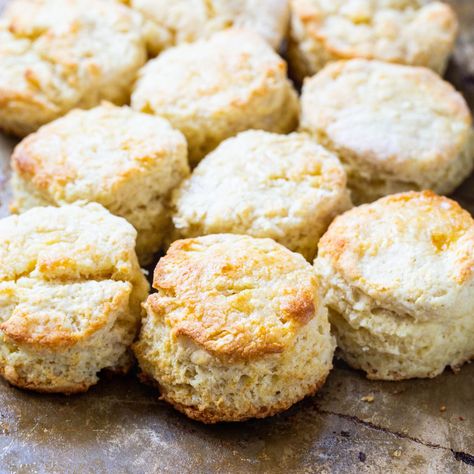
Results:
120 426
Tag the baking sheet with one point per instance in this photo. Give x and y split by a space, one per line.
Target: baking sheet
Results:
120 426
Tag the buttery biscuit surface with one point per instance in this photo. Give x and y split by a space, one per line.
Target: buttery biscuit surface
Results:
398 275
285 187
184 21
56 55
236 330
125 160
70 296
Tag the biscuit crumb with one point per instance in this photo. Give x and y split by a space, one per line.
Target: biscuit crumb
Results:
368 398
397 453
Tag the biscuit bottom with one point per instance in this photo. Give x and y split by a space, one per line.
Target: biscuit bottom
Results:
213 389
393 346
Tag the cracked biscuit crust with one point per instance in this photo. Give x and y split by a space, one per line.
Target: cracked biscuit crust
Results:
212 89
249 185
413 32
398 277
236 329
70 296
59 54
395 128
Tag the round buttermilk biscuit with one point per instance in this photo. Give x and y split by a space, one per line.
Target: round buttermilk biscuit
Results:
236 330
184 21
398 278
125 160
395 128
414 32
59 54
213 89
70 295
285 187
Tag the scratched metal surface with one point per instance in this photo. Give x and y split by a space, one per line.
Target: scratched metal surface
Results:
121 426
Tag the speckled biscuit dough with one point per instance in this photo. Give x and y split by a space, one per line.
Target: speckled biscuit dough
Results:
398 279
125 160
213 89
414 32
236 330
70 296
395 128
169 23
285 187
59 54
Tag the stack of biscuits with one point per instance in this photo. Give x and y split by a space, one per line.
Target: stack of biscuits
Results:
284 219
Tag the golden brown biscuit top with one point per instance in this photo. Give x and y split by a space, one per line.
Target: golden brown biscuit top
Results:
68 243
55 315
87 154
234 295
413 249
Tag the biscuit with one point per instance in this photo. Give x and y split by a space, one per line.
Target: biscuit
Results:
398 278
285 187
59 54
125 160
185 21
213 89
413 32
70 296
395 128
237 329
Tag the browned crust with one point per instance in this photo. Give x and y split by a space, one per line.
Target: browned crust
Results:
335 241
300 306
31 169
15 105
18 329
205 318
216 416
